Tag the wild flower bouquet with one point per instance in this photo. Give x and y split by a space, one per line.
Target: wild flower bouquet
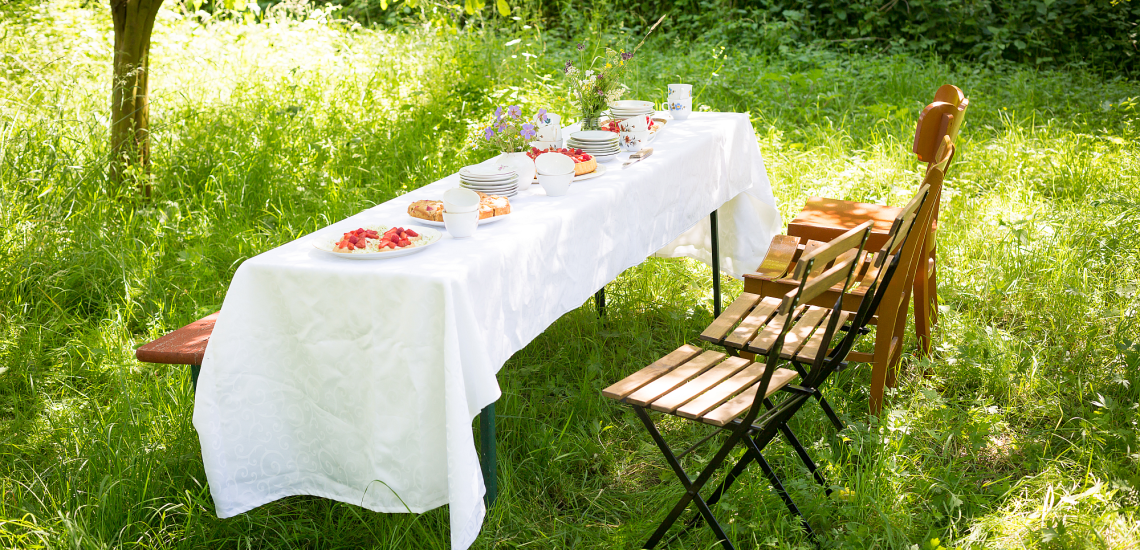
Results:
599 83
509 133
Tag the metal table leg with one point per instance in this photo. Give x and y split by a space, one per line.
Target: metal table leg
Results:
600 301
715 264
487 448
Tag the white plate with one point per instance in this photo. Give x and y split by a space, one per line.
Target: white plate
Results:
630 105
490 189
593 136
488 171
588 175
489 182
434 223
327 242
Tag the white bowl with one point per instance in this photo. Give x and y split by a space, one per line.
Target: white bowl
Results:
460 200
556 185
552 164
461 224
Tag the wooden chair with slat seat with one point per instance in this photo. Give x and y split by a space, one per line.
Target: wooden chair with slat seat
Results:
733 393
771 280
185 346
823 218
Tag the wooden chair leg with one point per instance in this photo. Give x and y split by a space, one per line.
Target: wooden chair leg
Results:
922 319
880 362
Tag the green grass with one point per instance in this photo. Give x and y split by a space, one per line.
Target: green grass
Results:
1024 434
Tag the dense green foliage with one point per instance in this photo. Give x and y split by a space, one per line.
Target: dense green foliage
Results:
1025 433
1098 33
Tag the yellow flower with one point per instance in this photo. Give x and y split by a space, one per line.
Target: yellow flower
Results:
608 66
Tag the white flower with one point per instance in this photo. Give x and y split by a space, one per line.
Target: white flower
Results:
589 73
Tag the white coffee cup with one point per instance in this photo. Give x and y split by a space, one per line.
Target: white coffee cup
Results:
553 164
680 108
633 141
680 91
459 200
461 224
634 124
550 129
558 184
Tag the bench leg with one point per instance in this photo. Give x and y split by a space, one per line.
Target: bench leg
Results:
195 370
487 447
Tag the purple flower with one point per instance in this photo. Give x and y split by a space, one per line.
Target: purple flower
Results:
528 131
498 114
599 77
601 92
503 127
581 46
514 111
567 68
488 133
626 56
541 116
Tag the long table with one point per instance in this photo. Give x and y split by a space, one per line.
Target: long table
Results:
359 380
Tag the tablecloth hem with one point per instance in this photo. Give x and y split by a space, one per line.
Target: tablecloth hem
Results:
290 493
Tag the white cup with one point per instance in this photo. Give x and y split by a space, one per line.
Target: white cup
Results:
550 129
543 145
680 108
680 91
461 224
632 141
556 185
460 200
553 164
634 124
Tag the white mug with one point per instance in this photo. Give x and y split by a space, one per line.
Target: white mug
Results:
634 124
550 129
680 108
633 141
680 91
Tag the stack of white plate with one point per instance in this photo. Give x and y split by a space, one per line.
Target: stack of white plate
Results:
491 178
630 108
599 143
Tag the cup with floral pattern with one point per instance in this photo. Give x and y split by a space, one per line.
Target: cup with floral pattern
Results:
680 108
634 124
680 91
632 141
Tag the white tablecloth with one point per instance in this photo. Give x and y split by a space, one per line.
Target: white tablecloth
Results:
358 380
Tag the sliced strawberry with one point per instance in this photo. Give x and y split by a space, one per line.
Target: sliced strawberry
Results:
412 233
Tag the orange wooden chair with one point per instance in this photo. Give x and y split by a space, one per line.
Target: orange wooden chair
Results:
771 279
823 218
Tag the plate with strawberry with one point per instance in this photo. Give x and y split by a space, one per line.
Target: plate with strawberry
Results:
376 242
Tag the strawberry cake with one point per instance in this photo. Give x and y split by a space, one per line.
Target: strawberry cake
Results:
584 163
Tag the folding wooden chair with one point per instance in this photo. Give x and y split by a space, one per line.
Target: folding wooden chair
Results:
823 218
736 328
732 393
771 280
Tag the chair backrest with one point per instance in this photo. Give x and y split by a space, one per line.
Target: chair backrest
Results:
897 262
943 117
844 255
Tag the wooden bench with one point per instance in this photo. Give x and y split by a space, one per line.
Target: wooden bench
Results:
185 346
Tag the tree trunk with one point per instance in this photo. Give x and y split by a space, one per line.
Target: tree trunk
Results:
130 109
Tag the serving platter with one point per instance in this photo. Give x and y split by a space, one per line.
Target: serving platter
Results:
326 242
482 221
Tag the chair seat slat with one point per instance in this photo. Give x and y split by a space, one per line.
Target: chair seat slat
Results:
751 324
669 402
802 330
720 393
811 348
763 341
669 381
732 408
732 315
648 374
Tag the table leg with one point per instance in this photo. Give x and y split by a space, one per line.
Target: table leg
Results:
600 301
487 446
195 370
715 264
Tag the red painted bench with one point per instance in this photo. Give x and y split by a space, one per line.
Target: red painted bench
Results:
185 346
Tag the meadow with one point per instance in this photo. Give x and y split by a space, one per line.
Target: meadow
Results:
1021 430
